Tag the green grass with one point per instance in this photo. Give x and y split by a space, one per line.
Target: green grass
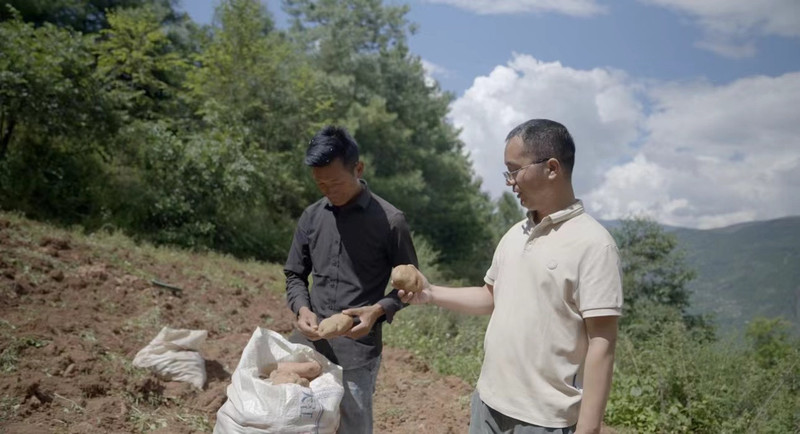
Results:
8 407
145 421
451 343
11 354
196 422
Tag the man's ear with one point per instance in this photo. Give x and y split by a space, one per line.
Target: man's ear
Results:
359 169
555 167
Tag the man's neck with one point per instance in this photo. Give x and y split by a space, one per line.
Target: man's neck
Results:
355 195
560 203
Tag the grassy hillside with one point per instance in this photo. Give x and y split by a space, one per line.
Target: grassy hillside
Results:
75 309
746 270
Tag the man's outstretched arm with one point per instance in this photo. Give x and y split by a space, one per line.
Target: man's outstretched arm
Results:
473 300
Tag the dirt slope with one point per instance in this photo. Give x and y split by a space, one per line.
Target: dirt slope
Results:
74 311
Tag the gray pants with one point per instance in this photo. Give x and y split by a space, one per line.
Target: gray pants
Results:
485 420
356 406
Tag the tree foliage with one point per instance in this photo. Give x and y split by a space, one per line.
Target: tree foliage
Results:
671 375
48 87
195 136
415 159
125 114
655 275
138 63
85 16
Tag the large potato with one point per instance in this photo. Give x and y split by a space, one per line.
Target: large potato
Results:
335 325
407 278
308 370
287 377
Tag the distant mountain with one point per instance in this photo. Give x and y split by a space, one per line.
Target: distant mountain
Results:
746 270
743 271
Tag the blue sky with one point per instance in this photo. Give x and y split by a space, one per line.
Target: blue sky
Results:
685 111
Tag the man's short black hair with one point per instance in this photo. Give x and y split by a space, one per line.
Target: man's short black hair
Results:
330 143
543 138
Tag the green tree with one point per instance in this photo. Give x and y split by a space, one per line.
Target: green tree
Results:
56 122
85 16
48 87
138 61
415 159
205 191
654 269
508 212
251 79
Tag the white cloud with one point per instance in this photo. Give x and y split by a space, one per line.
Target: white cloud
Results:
581 8
598 106
432 71
732 26
702 155
727 153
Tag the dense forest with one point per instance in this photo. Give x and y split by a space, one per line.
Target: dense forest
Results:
125 115
128 115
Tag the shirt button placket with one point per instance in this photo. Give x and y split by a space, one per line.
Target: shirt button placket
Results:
335 262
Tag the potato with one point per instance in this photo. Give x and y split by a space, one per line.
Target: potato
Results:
287 377
308 370
407 278
304 370
283 377
335 325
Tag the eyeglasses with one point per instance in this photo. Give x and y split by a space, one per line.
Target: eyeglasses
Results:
511 176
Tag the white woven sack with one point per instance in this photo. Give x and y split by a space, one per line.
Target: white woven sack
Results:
173 355
256 406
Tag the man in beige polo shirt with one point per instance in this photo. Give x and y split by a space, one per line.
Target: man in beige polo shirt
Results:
554 293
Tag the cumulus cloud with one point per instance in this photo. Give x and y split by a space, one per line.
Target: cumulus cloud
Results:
727 153
598 106
732 26
432 71
580 8
685 154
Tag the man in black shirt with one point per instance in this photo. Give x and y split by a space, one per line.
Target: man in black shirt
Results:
348 242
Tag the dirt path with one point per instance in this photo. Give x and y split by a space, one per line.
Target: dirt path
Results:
74 311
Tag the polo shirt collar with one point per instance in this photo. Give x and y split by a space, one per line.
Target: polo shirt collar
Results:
560 216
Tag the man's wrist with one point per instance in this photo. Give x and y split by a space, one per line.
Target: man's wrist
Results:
587 428
582 430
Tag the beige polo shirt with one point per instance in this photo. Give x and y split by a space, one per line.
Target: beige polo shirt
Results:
547 278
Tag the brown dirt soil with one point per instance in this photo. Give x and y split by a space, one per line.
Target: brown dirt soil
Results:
75 309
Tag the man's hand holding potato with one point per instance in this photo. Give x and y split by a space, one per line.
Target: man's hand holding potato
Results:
307 323
412 286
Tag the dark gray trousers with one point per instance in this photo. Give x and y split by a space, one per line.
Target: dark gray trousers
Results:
485 420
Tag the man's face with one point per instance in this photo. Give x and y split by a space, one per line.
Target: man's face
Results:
337 182
527 181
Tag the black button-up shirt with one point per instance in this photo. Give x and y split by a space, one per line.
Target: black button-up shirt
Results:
349 251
